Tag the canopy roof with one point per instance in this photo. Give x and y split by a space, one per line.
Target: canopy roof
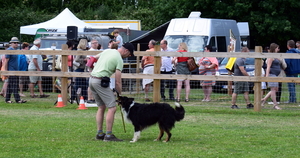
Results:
57 24
156 34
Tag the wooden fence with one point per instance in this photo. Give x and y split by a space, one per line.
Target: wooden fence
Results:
257 79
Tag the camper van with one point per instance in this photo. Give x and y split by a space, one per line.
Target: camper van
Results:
197 32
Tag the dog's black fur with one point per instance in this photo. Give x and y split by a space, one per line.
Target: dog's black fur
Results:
145 115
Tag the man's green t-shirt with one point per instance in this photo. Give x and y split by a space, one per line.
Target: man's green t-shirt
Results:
109 61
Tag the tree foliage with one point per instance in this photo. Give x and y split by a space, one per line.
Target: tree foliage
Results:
269 20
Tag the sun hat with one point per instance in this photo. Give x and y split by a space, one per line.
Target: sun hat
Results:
14 39
37 41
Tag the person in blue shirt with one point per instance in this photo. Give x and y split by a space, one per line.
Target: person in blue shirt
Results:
118 38
12 64
292 70
23 66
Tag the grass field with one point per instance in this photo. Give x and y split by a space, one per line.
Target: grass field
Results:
209 129
38 129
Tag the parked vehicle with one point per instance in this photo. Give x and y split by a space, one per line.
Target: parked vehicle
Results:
197 32
222 86
54 41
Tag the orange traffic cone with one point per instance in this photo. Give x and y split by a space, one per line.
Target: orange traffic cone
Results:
59 102
81 104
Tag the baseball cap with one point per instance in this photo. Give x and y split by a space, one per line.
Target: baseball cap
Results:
129 46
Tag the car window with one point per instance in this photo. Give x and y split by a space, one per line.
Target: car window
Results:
224 61
194 43
47 43
250 61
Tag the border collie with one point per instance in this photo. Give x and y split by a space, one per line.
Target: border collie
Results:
144 115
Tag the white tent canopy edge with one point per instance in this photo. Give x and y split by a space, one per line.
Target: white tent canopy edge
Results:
57 24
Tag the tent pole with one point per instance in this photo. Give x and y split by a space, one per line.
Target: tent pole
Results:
20 45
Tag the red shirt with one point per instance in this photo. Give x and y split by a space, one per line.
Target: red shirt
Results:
182 59
70 60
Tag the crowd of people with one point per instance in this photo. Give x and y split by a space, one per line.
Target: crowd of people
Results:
14 85
19 62
273 67
86 63
178 65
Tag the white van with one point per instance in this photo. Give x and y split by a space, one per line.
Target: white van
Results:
198 32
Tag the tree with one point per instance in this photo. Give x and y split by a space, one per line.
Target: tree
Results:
13 18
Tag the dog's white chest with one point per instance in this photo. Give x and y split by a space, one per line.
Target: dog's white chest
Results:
125 113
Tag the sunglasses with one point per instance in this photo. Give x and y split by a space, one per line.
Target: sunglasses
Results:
15 42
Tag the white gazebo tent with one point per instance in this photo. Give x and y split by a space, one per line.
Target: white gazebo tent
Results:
57 24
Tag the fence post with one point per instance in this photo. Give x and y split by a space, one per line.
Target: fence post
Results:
138 80
257 84
64 80
156 82
53 70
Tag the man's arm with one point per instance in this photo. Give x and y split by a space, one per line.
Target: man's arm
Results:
174 60
5 64
244 72
36 64
118 79
283 64
1 63
143 61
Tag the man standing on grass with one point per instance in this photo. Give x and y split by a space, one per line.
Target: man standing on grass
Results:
241 86
11 64
110 61
148 68
166 68
292 70
90 66
36 64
